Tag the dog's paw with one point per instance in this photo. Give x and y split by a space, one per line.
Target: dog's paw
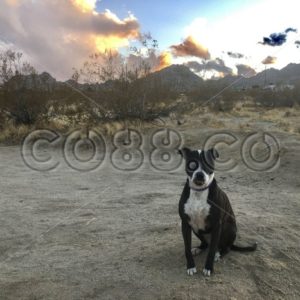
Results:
191 271
207 272
217 256
196 251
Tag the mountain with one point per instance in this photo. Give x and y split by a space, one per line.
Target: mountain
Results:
178 78
43 81
290 74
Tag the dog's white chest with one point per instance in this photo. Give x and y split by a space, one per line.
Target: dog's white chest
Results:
197 209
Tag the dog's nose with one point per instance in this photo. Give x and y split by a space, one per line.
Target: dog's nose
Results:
200 176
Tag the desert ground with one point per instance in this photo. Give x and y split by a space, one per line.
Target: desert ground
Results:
110 234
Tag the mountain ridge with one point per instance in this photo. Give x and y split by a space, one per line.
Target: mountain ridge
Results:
178 78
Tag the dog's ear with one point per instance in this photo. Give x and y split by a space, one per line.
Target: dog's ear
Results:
214 153
184 152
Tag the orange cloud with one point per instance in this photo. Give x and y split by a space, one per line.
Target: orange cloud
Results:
104 43
269 60
120 34
190 47
85 5
164 60
76 31
13 2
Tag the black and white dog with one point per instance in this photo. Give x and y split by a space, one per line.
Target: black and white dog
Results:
205 209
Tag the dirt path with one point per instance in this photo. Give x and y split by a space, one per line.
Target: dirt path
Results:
116 235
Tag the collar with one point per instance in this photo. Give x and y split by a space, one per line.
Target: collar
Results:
199 190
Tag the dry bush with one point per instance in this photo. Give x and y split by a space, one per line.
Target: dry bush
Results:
16 102
212 122
110 128
12 134
289 114
269 98
23 106
244 127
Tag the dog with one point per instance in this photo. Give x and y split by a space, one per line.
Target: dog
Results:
205 209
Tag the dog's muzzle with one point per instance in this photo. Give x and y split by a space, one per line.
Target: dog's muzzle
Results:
199 178
200 181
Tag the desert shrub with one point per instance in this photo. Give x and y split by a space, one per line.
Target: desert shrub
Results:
21 105
14 133
17 102
130 100
226 101
273 98
207 91
296 93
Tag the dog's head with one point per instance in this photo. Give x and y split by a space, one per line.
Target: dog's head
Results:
199 166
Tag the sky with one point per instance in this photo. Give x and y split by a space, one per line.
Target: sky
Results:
213 38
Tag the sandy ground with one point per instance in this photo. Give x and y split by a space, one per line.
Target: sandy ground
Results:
108 234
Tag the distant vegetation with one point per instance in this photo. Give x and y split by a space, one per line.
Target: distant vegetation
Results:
230 97
106 89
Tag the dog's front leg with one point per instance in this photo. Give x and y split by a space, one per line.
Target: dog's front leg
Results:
187 238
215 237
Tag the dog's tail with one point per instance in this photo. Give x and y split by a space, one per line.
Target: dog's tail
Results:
244 248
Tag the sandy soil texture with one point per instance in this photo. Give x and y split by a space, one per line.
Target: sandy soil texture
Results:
108 234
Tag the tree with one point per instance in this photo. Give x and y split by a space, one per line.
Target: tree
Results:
12 64
18 102
111 65
123 92
101 67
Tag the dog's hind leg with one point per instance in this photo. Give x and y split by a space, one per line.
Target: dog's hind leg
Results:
226 241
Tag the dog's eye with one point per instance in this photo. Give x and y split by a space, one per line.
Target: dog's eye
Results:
192 165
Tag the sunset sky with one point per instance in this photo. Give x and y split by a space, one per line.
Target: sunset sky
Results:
56 35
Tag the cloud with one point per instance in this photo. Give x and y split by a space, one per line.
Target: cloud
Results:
154 61
269 60
215 65
245 70
277 39
59 35
235 54
190 47
85 5
195 66
164 60
12 2
290 29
